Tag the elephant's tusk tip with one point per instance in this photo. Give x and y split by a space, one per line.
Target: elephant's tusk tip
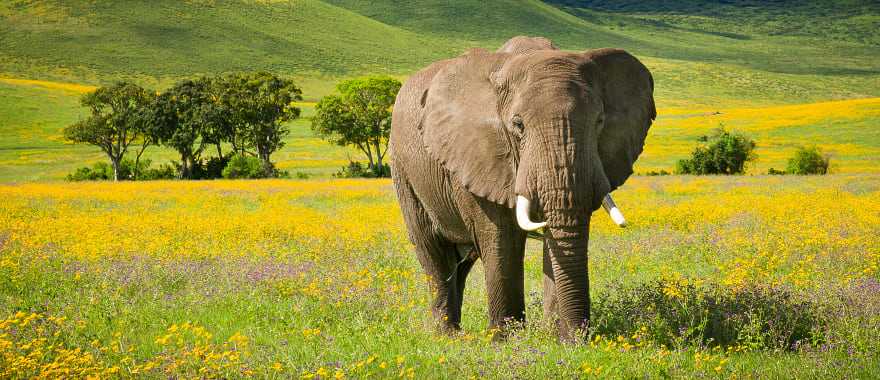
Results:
522 215
617 216
532 226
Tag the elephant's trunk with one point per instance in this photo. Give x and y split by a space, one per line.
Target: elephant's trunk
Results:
567 257
557 177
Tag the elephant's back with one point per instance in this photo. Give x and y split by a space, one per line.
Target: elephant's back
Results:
408 106
413 165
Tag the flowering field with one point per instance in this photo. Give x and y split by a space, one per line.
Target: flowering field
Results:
745 277
844 129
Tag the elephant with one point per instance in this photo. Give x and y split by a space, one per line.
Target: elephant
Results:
484 144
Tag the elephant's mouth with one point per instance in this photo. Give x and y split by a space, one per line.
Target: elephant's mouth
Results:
523 207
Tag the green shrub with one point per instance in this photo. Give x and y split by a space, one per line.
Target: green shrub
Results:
355 169
164 171
680 314
808 160
213 168
242 166
102 171
723 153
773 171
654 173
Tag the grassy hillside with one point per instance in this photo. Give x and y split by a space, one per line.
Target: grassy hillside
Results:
842 20
158 41
705 57
167 39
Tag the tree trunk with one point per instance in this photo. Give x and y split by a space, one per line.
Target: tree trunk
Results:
268 168
379 169
137 161
370 157
185 168
115 162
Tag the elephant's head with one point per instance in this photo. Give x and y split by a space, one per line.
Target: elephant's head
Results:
523 44
549 133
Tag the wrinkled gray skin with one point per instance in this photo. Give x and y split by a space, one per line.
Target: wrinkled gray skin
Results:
471 133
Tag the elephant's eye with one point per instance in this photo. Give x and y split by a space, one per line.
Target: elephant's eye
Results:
517 125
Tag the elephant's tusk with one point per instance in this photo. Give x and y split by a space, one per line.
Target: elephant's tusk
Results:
613 211
522 215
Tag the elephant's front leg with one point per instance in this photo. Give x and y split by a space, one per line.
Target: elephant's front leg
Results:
502 251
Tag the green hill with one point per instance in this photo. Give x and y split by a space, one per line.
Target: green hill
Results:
705 55
158 41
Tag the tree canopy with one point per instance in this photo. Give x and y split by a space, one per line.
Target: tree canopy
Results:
118 117
246 110
259 104
360 116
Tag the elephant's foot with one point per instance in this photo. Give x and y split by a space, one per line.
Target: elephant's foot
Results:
448 328
445 325
504 328
572 332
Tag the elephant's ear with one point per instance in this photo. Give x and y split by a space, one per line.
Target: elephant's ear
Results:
627 92
462 130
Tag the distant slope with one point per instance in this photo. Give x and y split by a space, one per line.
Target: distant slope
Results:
173 38
842 20
161 40
725 39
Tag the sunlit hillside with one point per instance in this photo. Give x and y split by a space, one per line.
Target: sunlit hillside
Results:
728 63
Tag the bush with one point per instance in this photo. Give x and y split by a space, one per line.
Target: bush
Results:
808 160
678 313
357 170
103 171
213 168
100 171
654 173
242 166
723 153
773 171
164 171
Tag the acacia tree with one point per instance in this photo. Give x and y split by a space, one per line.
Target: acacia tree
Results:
118 118
259 104
189 117
360 115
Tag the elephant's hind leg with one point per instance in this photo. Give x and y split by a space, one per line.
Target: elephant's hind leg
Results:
438 258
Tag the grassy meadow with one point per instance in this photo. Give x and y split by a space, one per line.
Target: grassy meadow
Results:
316 279
742 277
32 147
